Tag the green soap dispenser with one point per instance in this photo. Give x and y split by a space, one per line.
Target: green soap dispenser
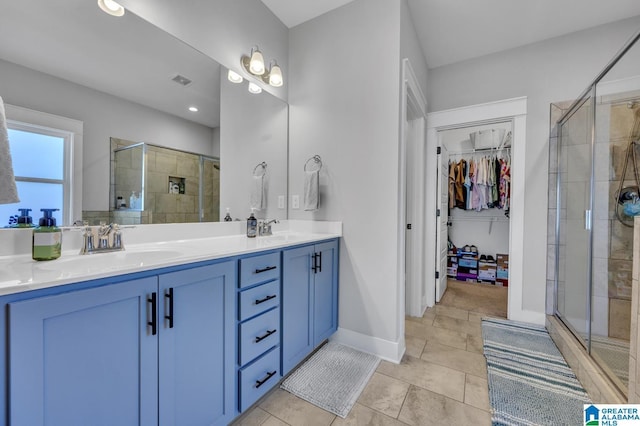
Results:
24 220
47 238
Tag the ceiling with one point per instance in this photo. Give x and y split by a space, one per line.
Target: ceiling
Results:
455 30
126 57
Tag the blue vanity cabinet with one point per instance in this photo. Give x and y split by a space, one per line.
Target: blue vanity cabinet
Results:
259 327
309 300
84 357
196 345
153 350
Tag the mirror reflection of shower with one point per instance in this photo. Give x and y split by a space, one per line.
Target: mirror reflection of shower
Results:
628 197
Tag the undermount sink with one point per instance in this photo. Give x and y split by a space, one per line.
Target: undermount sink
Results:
113 260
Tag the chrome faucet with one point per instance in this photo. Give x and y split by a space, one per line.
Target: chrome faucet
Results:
264 227
109 239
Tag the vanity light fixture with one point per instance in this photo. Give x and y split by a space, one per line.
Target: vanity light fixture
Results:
254 88
274 76
255 66
111 7
234 77
193 109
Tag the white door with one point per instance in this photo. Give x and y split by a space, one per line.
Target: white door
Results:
442 220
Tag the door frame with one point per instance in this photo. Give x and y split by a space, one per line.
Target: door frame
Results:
514 109
413 104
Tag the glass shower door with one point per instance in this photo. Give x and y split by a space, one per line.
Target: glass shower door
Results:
574 220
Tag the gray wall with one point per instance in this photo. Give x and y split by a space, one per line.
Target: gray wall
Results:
103 116
545 72
344 105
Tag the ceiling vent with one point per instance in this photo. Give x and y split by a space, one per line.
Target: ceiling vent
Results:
182 80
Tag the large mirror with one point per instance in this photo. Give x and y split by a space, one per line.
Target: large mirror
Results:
128 81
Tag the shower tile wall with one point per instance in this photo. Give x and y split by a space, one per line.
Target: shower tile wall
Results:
167 207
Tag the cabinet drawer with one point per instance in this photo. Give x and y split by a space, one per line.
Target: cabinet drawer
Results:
256 269
259 299
259 334
258 378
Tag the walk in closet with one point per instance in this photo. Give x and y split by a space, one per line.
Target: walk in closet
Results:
475 175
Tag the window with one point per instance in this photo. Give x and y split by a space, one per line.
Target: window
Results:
47 164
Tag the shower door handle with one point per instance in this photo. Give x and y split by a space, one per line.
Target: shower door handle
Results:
587 220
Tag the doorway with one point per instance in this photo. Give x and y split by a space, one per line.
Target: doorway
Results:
510 110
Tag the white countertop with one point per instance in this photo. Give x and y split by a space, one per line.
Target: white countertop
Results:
19 273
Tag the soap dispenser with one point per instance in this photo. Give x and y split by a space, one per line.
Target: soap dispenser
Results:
252 225
47 238
227 218
24 220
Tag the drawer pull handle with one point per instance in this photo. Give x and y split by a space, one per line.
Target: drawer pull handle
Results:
153 323
268 268
263 381
259 301
267 334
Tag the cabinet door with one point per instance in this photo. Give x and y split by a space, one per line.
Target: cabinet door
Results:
325 291
84 358
297 334
196 345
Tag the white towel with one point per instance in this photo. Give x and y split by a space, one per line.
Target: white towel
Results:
8 190
312 190
258 200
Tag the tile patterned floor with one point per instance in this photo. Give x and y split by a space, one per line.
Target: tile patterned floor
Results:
442 378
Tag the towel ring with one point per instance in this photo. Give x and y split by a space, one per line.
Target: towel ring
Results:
264 169
316 159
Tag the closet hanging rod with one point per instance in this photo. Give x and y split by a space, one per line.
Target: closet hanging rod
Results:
478 219
474 151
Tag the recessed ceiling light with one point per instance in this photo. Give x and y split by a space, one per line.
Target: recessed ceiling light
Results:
234 77
254 88
193 109
111 7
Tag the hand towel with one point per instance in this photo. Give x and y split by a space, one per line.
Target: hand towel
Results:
312 190
258 200
8 190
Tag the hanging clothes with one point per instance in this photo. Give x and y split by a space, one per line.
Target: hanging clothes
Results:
480 182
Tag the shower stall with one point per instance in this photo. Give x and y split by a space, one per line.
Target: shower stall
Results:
593 198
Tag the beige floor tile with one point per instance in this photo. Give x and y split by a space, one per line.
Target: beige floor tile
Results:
445 336
427 375
416 329
474 343
458 359
429 315
476 316
476 393
452 312
384 394
274 421
294 410
423 407
364 416
414 345
254 417
462 326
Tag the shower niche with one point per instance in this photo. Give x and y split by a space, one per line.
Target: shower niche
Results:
154 184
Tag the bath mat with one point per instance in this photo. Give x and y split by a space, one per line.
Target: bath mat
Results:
332 378
529 381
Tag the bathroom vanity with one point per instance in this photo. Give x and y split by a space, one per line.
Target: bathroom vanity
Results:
190 331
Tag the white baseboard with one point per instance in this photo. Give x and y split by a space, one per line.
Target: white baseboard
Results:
385 349
532 317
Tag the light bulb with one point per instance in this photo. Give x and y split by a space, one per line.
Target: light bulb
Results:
193 109
254 88
275 76
111 7
234 77
256 63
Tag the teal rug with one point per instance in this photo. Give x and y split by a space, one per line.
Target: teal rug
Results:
529 381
